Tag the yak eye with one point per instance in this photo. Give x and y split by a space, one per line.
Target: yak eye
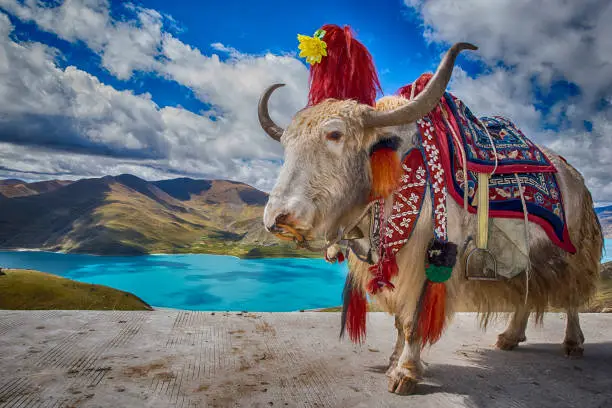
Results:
333 136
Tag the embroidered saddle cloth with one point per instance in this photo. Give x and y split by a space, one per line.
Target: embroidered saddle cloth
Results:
515 153
458 133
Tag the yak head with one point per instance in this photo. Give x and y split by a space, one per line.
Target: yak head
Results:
327 175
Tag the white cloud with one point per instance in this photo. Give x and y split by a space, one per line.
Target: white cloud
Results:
71 110
124 46
549 41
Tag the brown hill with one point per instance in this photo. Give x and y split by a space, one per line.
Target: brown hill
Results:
213 192
17 188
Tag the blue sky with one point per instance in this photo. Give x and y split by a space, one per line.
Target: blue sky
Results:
392 33
160 89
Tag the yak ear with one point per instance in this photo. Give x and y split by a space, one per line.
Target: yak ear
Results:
386 167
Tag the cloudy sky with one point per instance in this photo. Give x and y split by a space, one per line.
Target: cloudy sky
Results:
163 89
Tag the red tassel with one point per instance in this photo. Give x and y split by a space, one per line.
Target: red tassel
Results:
386 172
340 257
432 313
378 283
347 72
356 316
389 266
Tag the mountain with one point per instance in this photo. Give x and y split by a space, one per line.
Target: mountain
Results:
218 192
128 215
605 217
115 215
17 188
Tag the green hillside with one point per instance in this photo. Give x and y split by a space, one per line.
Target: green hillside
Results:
31 290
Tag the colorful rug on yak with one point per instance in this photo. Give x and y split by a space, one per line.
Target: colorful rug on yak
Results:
455 133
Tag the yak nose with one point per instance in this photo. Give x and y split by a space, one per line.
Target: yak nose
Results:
294 212
280 219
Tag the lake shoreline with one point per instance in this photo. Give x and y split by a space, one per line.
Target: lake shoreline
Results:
246 256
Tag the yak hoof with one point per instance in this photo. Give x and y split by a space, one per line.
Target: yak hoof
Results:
573 349
506 342
402 381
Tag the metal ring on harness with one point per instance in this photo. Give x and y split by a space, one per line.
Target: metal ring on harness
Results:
484 276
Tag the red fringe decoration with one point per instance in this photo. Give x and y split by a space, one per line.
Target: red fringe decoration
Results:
432 314
386 172
347 72
356 316
389 265
383 273
340 257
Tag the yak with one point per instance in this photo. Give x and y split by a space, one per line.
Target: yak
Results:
323 188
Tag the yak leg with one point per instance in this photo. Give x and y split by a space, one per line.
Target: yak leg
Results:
405 375
515 332
574 339
399 345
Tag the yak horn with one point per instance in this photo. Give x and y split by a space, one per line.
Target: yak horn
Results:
267 124
425 101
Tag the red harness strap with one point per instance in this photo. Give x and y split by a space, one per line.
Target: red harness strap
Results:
396 230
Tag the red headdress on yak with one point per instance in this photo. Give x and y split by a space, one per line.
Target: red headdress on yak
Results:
342 68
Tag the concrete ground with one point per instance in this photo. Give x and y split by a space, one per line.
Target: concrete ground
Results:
170 358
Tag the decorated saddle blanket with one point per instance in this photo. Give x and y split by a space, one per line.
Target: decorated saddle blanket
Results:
451 133
489 138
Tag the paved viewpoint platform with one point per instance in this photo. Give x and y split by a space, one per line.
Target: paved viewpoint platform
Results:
169 358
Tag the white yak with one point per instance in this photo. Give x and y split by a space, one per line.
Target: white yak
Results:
323 188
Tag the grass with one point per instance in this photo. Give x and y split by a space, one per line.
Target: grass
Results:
31 290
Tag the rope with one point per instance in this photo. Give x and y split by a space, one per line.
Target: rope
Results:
525 214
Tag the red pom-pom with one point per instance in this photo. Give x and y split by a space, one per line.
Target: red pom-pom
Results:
340 257
347 72
356 316
386 172
432 313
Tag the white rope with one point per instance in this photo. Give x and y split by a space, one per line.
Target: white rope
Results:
525 213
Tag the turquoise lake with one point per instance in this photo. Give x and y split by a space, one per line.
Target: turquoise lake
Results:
200 282
205 282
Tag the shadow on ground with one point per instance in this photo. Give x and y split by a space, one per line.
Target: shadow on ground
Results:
532 375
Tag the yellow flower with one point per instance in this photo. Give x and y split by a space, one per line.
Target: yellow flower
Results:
313 48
